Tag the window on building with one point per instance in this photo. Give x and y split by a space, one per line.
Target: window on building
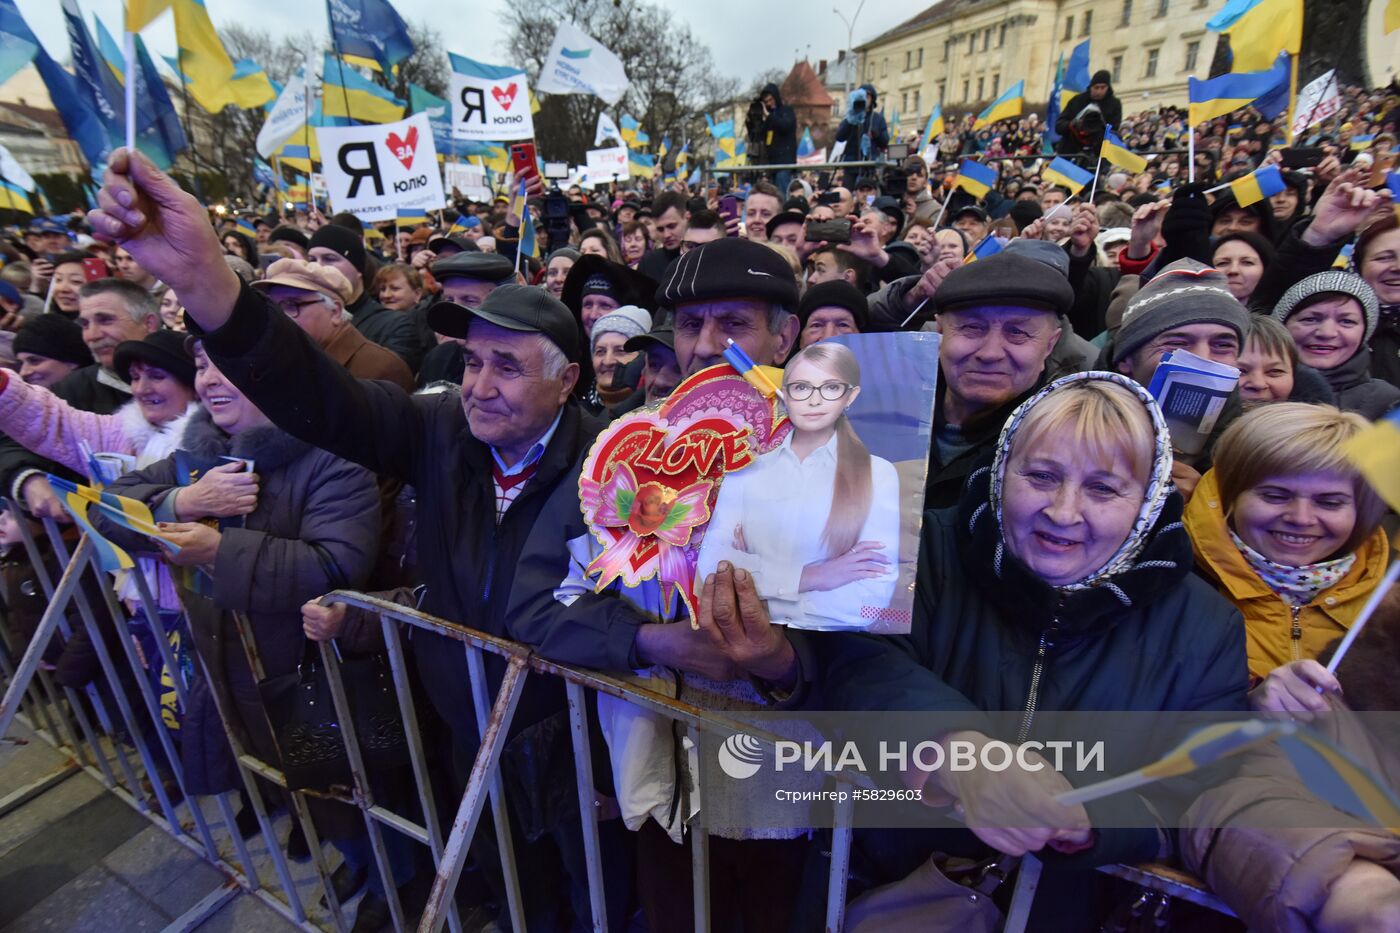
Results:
1127 16
1085 26
903 101
919 60
981 88
1001 40
1193 52
917 102
1149 69
908 59
1117 68
942 87
1069 28
1162 8
965 87
972 43
996 85
987 38
947 43
884 68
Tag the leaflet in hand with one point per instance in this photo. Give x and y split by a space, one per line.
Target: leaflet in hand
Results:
1192 392
189 467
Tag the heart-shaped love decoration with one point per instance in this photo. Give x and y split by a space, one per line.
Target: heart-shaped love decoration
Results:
505 96
651 479
403 148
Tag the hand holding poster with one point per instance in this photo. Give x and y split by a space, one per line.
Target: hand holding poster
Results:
377 170
488 109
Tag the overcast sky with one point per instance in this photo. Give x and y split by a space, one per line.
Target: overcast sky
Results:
745 37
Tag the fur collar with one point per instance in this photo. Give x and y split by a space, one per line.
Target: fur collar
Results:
268 447
150 442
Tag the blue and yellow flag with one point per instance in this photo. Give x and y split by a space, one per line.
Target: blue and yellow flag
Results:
129 513
1376 453
640 163
1215 97
763 378
1256 186
347 93
1259 30
529 242
1332 776
1116 151
14 198
140 13
1008 105
989 247
245 227
632 134
410 219
1076 77
1066 174
933 128
975 178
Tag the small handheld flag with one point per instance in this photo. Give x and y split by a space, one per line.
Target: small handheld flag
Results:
932 129
753 375
989 247
1008 105
1065 173
1331 775
1215 97
1116 151
409 219
976 179
1256 186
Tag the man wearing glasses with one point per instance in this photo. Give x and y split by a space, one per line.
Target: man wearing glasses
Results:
314 297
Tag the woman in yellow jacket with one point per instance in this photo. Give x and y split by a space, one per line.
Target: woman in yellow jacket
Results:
1290 533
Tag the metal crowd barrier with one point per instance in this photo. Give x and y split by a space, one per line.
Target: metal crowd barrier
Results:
53 713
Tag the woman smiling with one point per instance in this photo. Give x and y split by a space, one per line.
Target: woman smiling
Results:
1289 531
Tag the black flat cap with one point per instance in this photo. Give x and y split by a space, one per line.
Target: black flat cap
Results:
1005 280
460 244
164 348
523 308
488 267
662 336
729 268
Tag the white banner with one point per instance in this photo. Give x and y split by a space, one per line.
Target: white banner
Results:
1316 102
287 117
467 179
605 164
375 171
577 64
607 129
484 110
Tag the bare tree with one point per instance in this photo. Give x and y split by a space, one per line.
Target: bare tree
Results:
672 80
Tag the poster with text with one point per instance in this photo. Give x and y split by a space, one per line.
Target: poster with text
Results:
607 164
491 110
377 170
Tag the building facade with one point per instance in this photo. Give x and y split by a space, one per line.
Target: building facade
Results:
961 54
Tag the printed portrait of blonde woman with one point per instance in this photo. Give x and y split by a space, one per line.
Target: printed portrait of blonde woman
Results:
816 521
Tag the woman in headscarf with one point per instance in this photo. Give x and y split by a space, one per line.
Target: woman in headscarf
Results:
1061 581
1332 317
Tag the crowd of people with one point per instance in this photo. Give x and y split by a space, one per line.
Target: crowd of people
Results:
405 411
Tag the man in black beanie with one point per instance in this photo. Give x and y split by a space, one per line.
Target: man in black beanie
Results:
48 348
344 250
1081 123
829 309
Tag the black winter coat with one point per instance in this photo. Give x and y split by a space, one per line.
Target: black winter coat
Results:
465 559
1072 141
780 130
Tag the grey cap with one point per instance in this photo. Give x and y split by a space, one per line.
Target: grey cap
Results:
1332 281
1052 254
488 267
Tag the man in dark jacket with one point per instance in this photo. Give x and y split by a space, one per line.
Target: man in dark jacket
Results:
483 465
1081 123
863 130
780 133
344 250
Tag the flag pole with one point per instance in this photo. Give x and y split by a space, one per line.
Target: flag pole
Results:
129 54
339 62
1094 187
1367 611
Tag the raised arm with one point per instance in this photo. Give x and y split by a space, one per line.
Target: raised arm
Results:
44 423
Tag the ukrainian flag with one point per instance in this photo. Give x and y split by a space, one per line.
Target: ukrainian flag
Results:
1361 143
1068 175
129 513
139 13
1376 453
1331 775
529 242
410 219
989 247
932 129
976 179
1076 79
1116 151
1008 105
632 134
640 162
245 226
347 93
1256 186
298 157
761 378
1259 30
519 205
204 64
15 198
664 148
1216 97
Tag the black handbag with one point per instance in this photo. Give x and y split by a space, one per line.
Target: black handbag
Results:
307 731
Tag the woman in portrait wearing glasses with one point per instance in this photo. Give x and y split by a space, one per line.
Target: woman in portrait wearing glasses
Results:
816 520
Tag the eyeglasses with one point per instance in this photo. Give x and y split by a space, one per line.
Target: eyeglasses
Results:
831 391
293 308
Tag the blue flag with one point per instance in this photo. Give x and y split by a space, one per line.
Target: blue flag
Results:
157 123
85 126
439 117
92 79
17 43
263 174
369 29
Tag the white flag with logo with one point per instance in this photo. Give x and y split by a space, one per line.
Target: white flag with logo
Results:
1316 102
288 116
607 129
578 64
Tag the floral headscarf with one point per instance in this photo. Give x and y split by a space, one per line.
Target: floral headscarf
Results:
1159 484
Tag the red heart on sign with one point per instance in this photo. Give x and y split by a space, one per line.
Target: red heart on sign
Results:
403 148
505 96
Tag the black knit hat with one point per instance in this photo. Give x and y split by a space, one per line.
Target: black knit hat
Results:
836 294
164 348
344 241
290 235
53 337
